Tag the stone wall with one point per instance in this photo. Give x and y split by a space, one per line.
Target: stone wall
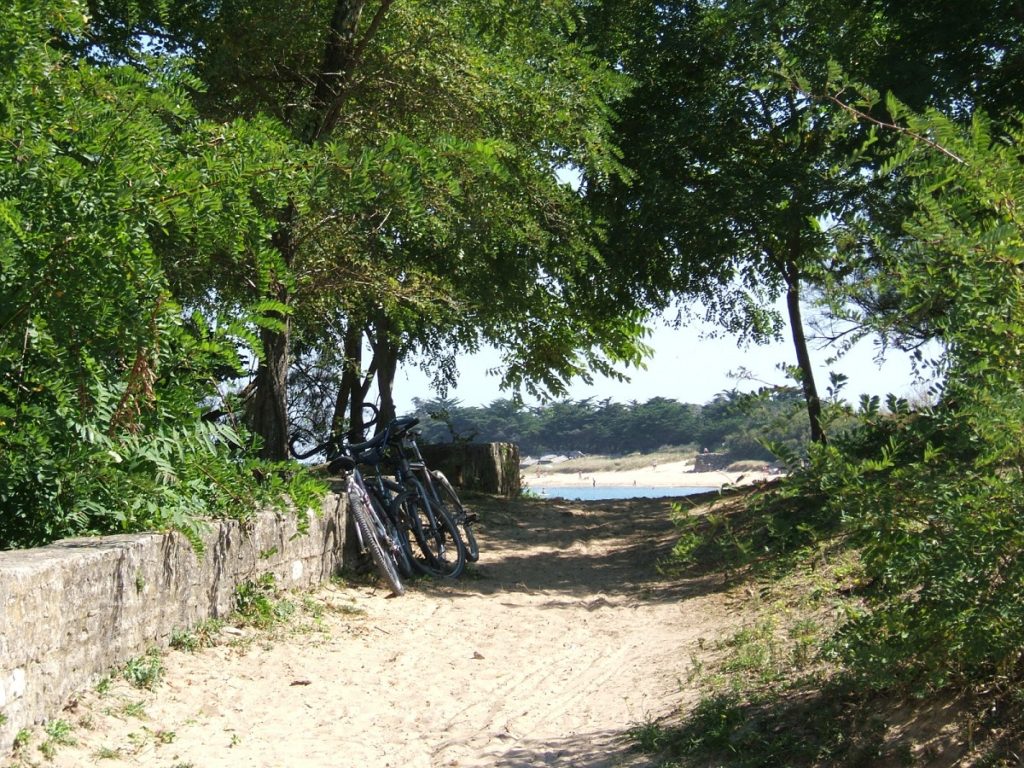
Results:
71 611
487 467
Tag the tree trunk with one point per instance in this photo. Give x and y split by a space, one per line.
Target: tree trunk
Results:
386 385
268 410
357 425
385 355
343 50
803 357
343 53
351 383
268 415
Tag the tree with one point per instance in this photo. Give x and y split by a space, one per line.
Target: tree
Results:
737 423
931 495
102 169
734 172
953 59
432 217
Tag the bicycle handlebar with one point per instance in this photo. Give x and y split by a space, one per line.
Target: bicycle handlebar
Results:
399 428
320 448
358 451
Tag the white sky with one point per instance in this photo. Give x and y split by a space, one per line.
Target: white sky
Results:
687 368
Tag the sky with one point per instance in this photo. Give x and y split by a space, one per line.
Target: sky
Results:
688 367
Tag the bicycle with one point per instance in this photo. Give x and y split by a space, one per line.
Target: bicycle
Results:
441 551
438 551
376 532
415 521
435 485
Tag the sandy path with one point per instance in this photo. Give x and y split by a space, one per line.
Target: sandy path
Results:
561 638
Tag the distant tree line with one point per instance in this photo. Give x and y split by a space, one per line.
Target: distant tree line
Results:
737 423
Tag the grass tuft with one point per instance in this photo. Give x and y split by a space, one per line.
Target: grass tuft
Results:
202 635
144 671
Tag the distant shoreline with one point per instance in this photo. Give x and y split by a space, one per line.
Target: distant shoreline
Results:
671 474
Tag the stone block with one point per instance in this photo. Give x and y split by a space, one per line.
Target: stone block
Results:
487 467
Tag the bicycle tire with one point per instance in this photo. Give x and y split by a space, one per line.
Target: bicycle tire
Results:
383 561
401 551
457 511
441 549
400 511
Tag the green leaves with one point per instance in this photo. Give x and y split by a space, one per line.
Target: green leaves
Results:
932 495
111 191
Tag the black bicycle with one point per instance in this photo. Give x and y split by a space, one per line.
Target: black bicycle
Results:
439 549
377 533
433 484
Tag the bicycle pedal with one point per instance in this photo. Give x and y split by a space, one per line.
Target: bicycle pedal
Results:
472 517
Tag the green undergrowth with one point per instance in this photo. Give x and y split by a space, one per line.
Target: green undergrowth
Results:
204 634
259 603
778 689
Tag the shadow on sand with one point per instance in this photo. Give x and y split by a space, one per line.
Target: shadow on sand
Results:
578 549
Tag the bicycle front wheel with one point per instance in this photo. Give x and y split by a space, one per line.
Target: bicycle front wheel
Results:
371 533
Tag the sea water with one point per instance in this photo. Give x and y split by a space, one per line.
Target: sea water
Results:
599 492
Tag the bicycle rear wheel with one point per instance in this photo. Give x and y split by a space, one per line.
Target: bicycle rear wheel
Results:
371 532
462 518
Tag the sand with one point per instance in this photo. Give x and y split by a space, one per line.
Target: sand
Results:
677 474
563 636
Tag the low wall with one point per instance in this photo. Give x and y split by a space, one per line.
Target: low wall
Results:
710 462
487 467
71 611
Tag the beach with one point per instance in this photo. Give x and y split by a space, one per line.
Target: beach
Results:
674 474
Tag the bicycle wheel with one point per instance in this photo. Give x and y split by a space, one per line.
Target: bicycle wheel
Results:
440 549
401 551
462 518
402 513
380 553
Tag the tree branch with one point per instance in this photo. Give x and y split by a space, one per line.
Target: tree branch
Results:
342 58
860 115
